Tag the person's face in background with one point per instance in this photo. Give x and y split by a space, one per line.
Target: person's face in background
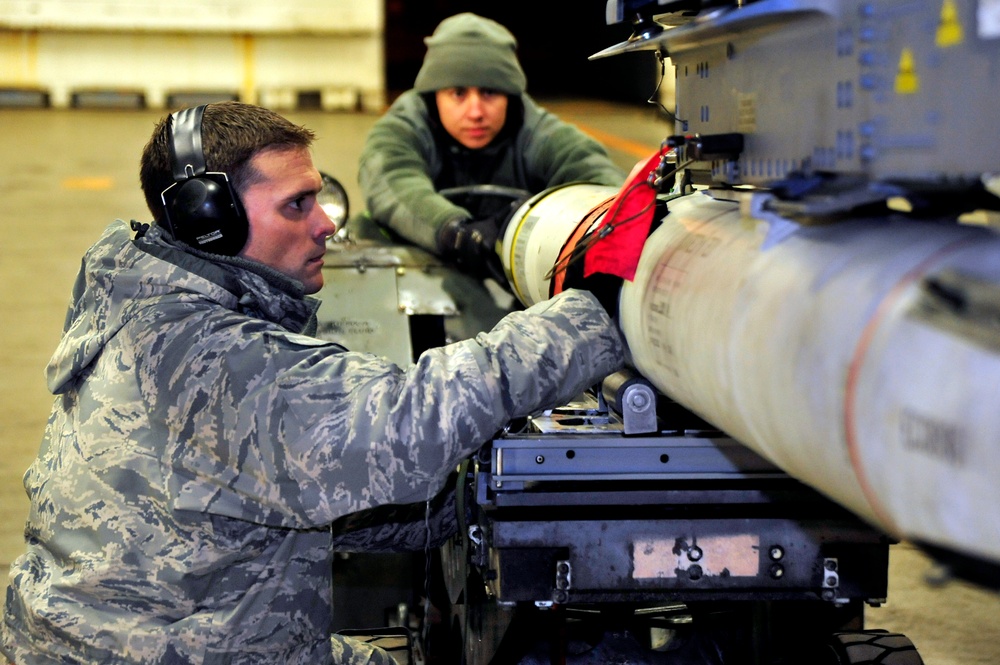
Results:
472 116
288 228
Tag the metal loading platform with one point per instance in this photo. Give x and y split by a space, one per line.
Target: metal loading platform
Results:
678 545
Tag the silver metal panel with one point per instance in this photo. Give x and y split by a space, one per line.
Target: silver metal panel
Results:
360 310
612 457
892 90
422 291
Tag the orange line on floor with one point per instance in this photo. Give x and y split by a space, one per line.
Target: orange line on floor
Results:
91 183
615 142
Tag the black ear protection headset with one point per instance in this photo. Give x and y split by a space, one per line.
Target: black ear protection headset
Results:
202 208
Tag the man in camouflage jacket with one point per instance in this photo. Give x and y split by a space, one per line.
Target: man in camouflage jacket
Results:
201 441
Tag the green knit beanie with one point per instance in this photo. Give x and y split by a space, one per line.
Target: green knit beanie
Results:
467 50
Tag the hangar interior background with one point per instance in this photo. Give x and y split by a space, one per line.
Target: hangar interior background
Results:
83 81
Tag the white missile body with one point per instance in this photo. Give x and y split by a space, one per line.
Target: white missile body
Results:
821 348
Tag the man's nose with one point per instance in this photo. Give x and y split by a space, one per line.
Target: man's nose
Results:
323 225
475 104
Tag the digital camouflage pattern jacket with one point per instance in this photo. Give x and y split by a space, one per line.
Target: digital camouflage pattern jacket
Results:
201 442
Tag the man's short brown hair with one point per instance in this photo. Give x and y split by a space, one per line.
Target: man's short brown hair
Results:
232 133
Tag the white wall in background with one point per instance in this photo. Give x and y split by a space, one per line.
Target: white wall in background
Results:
259 51
318 16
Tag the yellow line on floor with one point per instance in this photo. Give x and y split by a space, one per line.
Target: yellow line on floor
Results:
615 142
92 183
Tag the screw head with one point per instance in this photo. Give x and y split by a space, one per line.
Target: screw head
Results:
638 401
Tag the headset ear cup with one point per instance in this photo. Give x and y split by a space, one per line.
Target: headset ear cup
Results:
205 213
202 208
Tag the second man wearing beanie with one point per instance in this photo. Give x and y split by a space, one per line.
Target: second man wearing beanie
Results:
469 121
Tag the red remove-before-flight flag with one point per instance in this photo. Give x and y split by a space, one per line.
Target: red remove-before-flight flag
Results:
625 227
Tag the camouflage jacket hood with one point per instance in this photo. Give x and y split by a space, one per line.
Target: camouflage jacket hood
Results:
201 443
121 278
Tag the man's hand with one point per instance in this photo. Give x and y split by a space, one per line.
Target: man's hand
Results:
606 288
471 244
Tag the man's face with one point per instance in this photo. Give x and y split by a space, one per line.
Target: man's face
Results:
473 116
288 230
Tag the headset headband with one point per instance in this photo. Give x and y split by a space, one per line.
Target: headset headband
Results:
186 156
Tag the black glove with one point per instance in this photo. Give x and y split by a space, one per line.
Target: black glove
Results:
606 288
471 245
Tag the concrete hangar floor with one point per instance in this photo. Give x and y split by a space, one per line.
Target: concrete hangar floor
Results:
65 174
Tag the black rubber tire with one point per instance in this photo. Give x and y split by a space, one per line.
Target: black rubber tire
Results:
874 647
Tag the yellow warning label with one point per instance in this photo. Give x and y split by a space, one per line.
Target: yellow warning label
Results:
907 82
949 32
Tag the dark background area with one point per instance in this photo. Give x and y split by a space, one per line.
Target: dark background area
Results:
555 39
